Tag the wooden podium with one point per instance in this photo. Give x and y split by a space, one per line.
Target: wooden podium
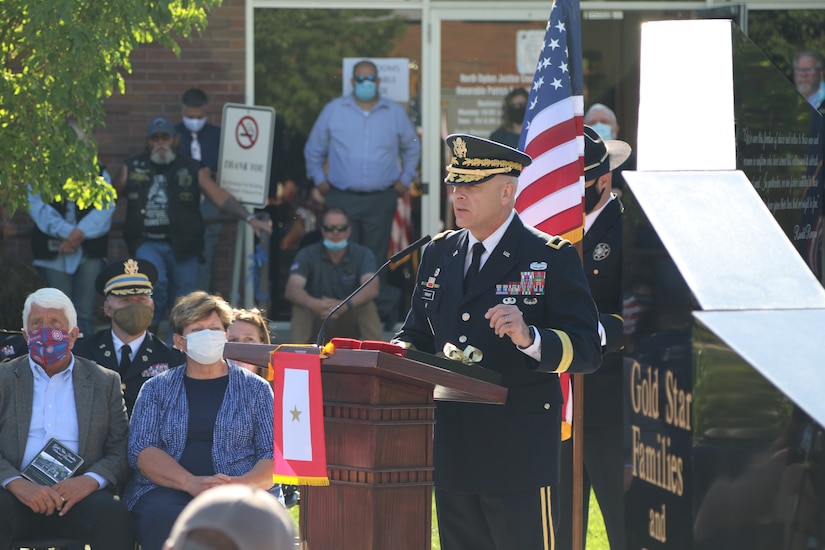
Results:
378 421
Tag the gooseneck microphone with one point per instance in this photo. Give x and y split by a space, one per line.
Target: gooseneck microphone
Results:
395 258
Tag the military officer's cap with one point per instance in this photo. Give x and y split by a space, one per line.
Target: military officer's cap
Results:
475 160
600 156
127 277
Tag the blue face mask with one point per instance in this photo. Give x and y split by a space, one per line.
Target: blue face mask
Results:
333 246
365 91
604 130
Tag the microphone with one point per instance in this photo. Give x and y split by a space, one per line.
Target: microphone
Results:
319 341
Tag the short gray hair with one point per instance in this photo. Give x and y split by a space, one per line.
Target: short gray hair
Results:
50 298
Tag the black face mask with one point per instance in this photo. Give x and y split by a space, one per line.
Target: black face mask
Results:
592 197
516 113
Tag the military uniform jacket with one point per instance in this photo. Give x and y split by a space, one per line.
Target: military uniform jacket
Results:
510 447
153 357
602 259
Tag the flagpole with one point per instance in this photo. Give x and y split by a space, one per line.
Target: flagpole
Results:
551 189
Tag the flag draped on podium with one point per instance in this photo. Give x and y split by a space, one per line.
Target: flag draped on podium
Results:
550 196
300 450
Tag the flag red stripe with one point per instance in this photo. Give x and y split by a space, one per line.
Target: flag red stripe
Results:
549 184
562 222
551 137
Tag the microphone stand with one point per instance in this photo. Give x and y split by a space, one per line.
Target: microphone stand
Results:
319 341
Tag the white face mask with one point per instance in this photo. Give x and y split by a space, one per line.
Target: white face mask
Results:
194 124
206 346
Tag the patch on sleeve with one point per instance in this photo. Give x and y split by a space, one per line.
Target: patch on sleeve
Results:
294 266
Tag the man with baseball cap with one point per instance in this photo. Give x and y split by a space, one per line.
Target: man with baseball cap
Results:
128 347
233 517
163 219
603 407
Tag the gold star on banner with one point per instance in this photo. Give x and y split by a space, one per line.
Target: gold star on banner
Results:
296 414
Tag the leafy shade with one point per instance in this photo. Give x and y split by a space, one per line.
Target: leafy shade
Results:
59 60
298 54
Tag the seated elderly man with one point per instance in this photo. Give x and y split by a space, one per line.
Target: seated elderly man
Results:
57 409
325 273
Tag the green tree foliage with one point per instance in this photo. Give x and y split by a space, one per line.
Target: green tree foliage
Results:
782 33
298 55
59 60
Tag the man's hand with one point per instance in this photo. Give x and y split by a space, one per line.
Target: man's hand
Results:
261 226
400 188
41 499
509 320
75 489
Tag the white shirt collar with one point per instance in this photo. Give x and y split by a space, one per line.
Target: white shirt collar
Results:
590 219
490 243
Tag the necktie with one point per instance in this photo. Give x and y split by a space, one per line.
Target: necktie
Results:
125 360
196 147
478 250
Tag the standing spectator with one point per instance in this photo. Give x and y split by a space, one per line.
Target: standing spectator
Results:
50 393
512 117
206 423
201 141
128 347
163 219
807 76
323 275
69 248
603 433
603 120
523 310
371 151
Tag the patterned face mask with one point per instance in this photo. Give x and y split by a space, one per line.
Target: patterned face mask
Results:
48 346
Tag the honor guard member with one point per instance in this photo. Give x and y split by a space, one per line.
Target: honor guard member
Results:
602 430
523 310
128 347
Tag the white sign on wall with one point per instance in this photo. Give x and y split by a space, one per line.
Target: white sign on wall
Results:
245 159
394 73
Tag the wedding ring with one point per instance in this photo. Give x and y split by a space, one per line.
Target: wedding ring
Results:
506 318
63 499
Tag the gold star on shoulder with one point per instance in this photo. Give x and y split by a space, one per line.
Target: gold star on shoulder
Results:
296 414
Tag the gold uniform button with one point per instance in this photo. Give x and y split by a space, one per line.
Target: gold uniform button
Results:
122 387
462 338
465 316
595 272
546 406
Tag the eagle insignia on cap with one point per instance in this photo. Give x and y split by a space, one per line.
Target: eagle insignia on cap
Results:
460 148
130 267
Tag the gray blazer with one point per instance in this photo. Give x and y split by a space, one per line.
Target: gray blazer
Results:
101 418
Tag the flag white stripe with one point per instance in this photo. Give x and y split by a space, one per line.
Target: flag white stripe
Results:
548 162
552 115
295 419
561 200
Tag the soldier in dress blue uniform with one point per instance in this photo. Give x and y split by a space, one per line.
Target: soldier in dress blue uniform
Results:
527 314
602 430
127 287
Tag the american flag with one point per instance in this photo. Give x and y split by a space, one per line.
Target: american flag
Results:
550 193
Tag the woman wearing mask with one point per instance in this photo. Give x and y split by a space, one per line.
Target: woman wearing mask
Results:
515 105
208 422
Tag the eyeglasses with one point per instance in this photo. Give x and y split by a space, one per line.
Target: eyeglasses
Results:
360 79
808 70
336 228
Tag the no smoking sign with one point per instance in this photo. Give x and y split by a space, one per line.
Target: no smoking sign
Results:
246 149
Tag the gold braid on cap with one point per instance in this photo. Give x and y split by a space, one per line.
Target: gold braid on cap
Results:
497 166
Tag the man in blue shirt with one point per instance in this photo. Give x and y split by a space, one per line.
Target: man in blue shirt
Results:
371 151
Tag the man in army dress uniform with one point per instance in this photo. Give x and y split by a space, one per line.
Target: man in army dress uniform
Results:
526 313
127 287
602 430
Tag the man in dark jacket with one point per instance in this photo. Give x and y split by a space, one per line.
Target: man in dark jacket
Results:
128 347
523 310
603 406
